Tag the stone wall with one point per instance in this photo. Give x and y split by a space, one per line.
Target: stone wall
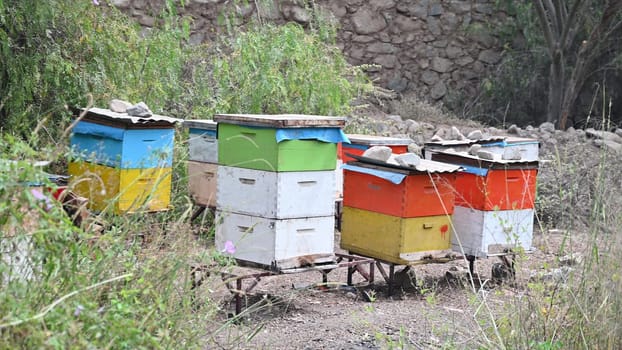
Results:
429 47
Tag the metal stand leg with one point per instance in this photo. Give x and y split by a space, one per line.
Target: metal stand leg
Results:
197 213
238 296
391 278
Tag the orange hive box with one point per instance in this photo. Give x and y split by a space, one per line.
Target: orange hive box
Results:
418 194
493 185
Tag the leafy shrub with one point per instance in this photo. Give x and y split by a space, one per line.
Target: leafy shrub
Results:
283 69
52 53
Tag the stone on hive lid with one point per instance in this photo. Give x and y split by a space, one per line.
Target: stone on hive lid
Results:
486 155
119 106
474 149
381 153
139 110
408 160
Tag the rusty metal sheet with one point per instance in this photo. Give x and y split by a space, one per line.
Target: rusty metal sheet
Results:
281 120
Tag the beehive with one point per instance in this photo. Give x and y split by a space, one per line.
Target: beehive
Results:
278 244
493 185
486 233
279 142
125 161
123 190
202 183
418 194
395 239
399 215
202 141
494 204
276 195
276 188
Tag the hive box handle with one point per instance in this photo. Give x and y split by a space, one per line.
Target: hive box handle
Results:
247 181
428 226
245 229
303 231
307 183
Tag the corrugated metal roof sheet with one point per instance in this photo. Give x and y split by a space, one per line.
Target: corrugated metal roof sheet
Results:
128 119
425 166
373 140
464 142
463 158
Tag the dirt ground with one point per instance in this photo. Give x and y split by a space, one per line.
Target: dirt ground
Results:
443 310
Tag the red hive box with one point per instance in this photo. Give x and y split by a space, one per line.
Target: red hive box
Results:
419 193
360 143
493 185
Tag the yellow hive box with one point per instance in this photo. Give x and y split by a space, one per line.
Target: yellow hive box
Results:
125 190
394 239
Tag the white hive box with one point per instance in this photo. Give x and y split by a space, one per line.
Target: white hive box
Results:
277 244
488 233
276 195
202 180
202 140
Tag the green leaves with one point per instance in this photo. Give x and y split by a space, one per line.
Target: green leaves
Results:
285 70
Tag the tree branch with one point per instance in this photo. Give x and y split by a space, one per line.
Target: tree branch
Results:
546 27
570 29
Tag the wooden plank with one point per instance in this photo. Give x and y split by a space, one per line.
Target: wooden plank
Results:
281 120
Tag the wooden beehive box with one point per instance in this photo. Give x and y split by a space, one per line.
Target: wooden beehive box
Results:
125 161
277 244
276 195
395 239
121 141
279 142
202 141
125 190
399 191
487 233
202 183
493 184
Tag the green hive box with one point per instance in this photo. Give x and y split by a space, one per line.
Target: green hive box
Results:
256 148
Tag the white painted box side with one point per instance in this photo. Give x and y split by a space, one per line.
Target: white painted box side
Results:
203 148
17 255
281 244
276 195
484 233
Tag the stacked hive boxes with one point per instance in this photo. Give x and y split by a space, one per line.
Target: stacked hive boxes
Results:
123 161
276 184
494 204
202 161
398 215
